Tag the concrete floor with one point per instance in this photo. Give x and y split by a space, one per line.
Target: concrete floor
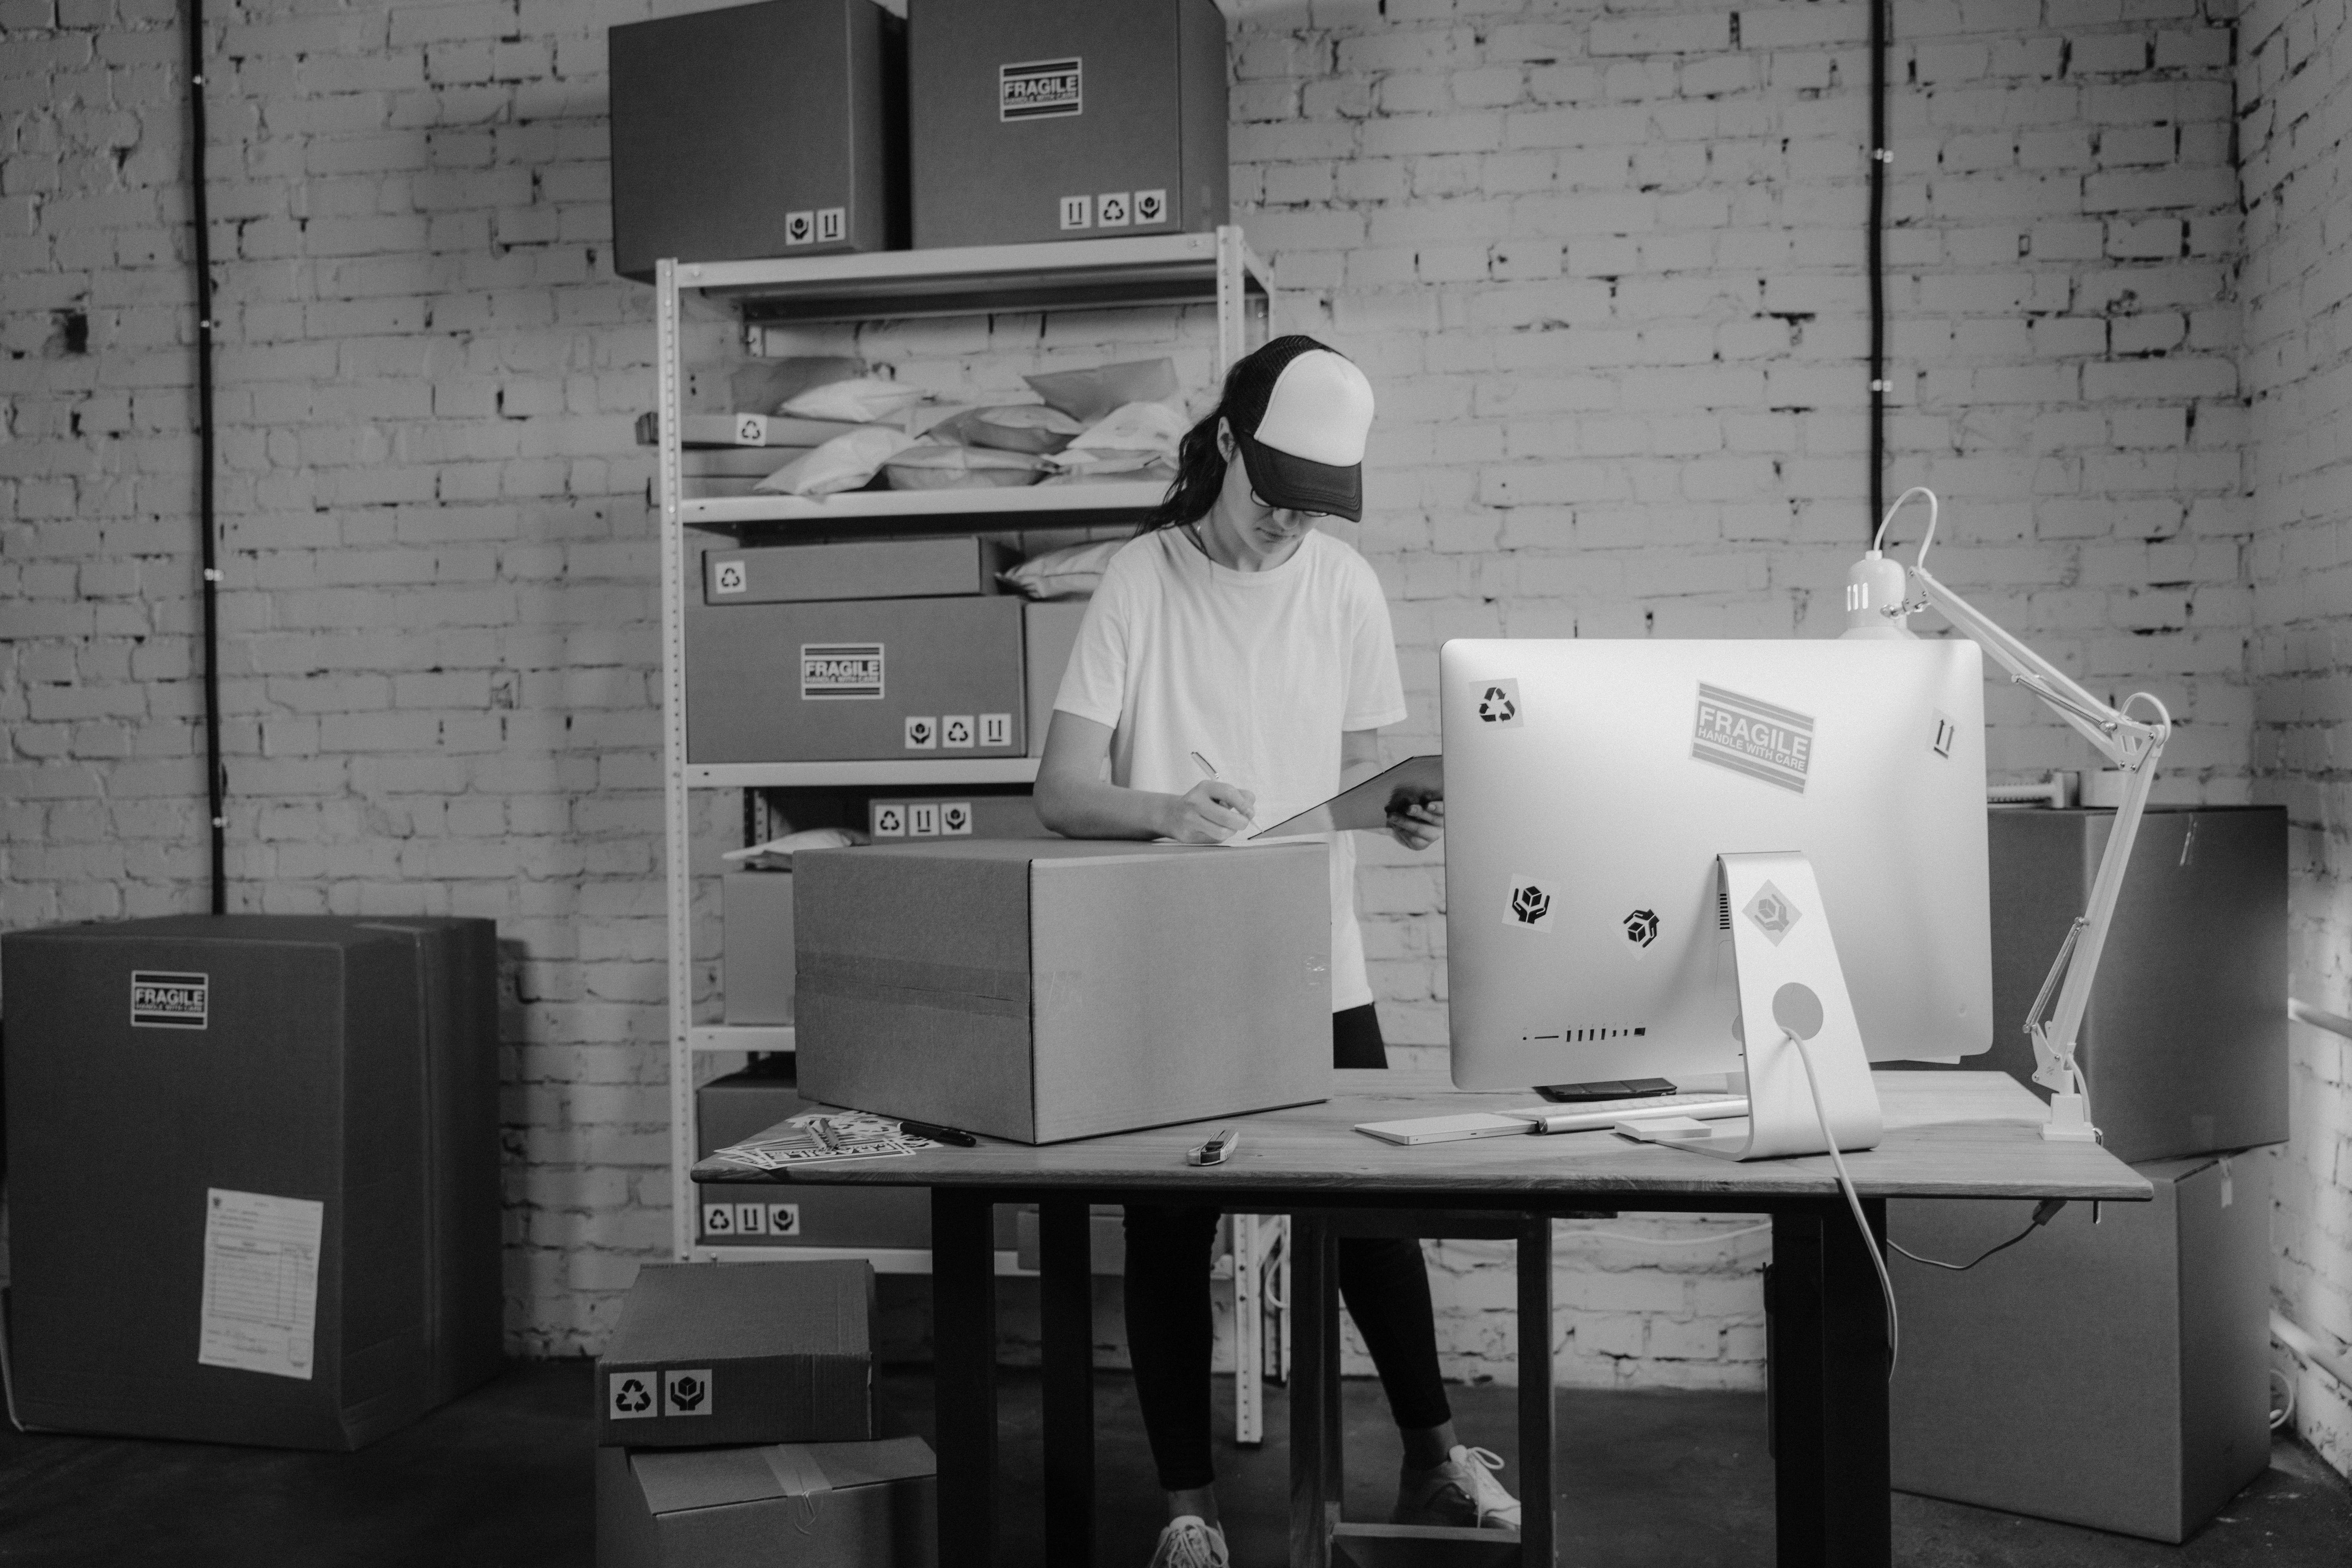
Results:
501 1480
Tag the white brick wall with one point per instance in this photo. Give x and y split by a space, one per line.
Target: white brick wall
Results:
1602 263
1605 265
2295 103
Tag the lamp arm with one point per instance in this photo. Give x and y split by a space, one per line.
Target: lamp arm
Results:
2132 744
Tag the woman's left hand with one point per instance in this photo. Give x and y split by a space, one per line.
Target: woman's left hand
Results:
1418 824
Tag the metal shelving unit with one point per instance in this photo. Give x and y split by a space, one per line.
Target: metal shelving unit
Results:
1155 271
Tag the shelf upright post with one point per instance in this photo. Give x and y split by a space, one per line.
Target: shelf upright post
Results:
678 871
1232 303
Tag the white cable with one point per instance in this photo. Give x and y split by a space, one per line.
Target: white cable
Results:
2285 1414
1854 1201
1878 539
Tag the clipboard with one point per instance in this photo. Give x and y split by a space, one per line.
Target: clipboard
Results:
1412 781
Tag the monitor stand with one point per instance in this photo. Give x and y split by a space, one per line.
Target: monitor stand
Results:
1790 985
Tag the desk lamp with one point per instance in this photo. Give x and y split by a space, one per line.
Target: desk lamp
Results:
1876 608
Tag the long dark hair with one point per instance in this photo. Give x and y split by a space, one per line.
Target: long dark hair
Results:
1200 467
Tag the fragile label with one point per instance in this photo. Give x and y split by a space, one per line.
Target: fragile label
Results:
841 670
261 1282
1775 744
1040 89
169 999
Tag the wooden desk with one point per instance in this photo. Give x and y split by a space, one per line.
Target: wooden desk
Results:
1955 1134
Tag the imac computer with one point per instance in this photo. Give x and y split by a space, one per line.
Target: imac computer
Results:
1619 812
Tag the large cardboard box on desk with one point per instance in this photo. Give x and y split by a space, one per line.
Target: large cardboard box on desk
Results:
2184 1047
816 1505
758 131
2113 1374
855 679
253 1174
1044 119
1039 990
741 1105
746 1353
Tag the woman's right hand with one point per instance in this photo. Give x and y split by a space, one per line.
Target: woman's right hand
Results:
1209 813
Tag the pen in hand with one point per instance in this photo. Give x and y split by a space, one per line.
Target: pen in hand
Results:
1210 769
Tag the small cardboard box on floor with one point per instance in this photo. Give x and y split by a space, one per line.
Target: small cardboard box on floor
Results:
748 1352
1044 989
816 1505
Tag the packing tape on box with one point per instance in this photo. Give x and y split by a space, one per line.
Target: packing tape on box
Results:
795 1469
998 993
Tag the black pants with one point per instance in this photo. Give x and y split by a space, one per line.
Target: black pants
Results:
1170 1332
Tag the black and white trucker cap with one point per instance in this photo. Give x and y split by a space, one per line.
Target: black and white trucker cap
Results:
1307 451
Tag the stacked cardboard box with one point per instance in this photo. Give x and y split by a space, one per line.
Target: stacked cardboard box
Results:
740 1427
253 1174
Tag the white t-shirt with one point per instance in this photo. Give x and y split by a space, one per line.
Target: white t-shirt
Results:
1257 671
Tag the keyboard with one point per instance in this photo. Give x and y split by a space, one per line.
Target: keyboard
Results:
1601 1114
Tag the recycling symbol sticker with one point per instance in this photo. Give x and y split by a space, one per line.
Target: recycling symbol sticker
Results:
1499 704
631 1396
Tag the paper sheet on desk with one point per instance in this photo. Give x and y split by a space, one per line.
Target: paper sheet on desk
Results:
261 1282
1366 803
796 1143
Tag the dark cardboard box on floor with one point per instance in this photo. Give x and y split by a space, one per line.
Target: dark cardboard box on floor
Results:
2113 1374
819 1505
751 1352
756 131
742 1104
253 1174
1045 989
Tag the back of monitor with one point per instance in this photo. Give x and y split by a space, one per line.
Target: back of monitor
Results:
1590 787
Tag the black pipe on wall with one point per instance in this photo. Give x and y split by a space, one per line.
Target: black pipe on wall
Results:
1880 157
215 778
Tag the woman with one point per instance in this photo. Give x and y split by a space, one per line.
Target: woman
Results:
1234 664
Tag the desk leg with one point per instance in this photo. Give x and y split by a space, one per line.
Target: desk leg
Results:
1538 1542
1066 1320
1829 1445
1314 1391
963 1342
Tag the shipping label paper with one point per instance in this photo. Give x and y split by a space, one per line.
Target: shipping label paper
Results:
261 1282
1775 744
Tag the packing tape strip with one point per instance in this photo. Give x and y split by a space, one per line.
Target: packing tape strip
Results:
795 1469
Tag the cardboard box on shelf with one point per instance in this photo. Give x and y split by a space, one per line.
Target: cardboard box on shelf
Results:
854 680
815 1505
302 1248
754 1353
852 569
756 916
758 131
742 1104
1051 632
1045 989
1044 119
2113 1375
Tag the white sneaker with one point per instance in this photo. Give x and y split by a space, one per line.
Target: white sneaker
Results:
1461 1491
1191 1541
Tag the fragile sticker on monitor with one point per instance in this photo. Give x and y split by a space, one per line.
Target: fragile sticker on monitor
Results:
1775 744
1040 89
1531 906
168 999
841 670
